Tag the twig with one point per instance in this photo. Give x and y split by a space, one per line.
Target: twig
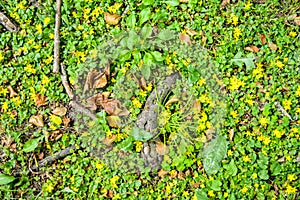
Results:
80 108
281 109
125 11
50 159
64 79
8 24
56 37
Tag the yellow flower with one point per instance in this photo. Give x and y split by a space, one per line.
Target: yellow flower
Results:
258 72
117 196
185 194
113 181
45 80
136 103
138 146
263 121
211 193
1 56
168 189
291 177
55 119
51 36
114 8
5 106
246 159
254 175
278 133
48 60
39 28
237 33
290 190
293 34
201 81
247 5
266 140
287 104
279 64
29 69
244 190
3 91
49 187
229 153
235 83
234 114
99 165
47 20
234 19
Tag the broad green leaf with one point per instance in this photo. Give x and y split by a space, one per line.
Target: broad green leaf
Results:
165 35
67 189
248 61
201 194
144 15
126 145
146 31
231 168
213 154
5 179
263 174
172 2
133 39
148 58
131 20
216 185
146 71
148 2
140 135
30 145
157 56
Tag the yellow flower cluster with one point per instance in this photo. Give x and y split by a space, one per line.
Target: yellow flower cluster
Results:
1 56
80 55
233 19
113 181
38 28
114 8
136 103
138 146
237 33
29 69
235 83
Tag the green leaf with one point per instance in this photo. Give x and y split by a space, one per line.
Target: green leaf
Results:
131 20
144 15
165 35
146 71
213 154
146 31
30 145
201 194
5 179
231 168
248 61
133 39
263 174
148 2
172 2
148 58
68 190
140 135
216 185
157 56
126 145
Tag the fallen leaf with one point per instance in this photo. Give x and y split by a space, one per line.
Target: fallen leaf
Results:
12 93
262 38
37 120
162 173
191 32
114 121
183 1
40 100
100 82
111 19
61 111
185 38
252 48
224 3
203 39
109 140
197 106
275 189
95 80
161 148
173 99
143 83
66 121
209 134
272 46
297 21
55 135
180 175
231 135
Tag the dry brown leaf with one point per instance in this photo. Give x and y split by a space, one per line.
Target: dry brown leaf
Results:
101 82
181 175
273 46
262 38
161 148
114 121
162 173
224 3
297 21
185 38
109 140
95 80
111 19
191 32
40 100
37 120
61 111
143 83
231 135
12 93
203 39
197 106
209 134
66 121
183 1
252 48
173 99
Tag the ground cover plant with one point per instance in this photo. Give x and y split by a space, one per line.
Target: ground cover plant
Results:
253 51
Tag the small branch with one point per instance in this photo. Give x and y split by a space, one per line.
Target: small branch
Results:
281 109
50 159
8 24
80 108
64 79
125 11
56 37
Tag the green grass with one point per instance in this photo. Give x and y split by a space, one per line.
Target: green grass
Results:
262 159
